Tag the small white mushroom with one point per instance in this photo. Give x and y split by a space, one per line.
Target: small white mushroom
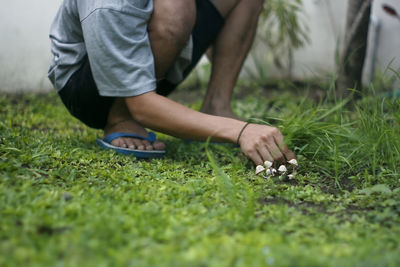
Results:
293 162
259 169
268 172
273 171
268 164
282 168
291 176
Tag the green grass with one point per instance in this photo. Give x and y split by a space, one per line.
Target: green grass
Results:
66 202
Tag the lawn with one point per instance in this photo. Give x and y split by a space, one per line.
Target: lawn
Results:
66 202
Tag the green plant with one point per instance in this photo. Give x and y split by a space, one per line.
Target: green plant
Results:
281 27
281 31
64 201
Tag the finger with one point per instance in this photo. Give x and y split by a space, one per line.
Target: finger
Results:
289 154
264 154
255 157
284 148
275 151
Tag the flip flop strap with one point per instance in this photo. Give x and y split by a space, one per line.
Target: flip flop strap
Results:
111 137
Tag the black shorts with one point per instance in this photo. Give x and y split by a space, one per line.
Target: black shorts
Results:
81 97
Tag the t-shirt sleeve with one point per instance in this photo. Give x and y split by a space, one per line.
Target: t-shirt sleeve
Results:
119 52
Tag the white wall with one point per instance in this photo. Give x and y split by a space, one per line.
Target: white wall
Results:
326 21
24 44
25 53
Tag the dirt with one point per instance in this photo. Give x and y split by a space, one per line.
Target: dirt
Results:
307 207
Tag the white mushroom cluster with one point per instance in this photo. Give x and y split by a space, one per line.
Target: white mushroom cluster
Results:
282 172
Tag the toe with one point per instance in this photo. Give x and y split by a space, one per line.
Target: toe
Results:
157 145
130 144
147 145
138 144
119 142
133 143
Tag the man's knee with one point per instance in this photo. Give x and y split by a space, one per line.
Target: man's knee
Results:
173 20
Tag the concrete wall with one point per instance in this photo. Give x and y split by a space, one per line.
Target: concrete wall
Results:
25 52
24 46
326 22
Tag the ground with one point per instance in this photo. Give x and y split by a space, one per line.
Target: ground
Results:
65 201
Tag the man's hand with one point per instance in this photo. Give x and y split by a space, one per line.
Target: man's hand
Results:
261 143
258 142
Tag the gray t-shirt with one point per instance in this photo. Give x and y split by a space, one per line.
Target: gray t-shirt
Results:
113 33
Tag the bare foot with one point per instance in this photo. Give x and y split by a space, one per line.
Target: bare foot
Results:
130 126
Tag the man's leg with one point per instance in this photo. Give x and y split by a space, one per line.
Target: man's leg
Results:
169 30
229 52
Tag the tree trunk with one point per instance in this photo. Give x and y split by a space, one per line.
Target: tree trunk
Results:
355 48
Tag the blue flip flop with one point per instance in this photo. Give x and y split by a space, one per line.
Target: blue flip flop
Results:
144 154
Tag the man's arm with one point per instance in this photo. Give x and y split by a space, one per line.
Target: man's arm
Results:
258 142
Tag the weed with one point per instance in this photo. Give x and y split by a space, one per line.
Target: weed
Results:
65 201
